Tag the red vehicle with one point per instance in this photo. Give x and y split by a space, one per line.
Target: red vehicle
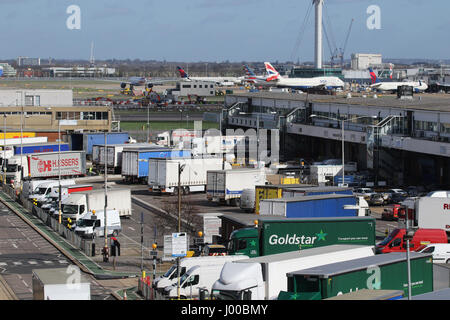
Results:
395 212
395 243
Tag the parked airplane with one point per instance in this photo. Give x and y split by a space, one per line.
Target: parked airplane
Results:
418 86
301 83
251 77
221 81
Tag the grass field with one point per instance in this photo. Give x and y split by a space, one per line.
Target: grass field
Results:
164 125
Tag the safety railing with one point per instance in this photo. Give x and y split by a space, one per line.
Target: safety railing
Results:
145 288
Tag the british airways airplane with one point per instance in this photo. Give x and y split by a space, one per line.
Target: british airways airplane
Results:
301 83
418 86
222 81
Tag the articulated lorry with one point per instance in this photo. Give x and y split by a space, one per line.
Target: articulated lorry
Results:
163 174
45 165
378 272
262 278
273 236
77 204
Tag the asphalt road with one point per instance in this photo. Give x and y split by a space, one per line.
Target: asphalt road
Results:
22 249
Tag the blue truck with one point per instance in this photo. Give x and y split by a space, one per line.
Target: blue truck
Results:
135 160
40 148
315 206
85 141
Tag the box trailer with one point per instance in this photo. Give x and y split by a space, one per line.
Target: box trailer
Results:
262 278
163 174
326 205
227 185
18 141
114 154
273 235
135 160
85 141
77 204
40 148
379 272
60 284
433 213
45 165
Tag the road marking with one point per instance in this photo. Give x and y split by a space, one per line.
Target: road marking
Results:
131 228
62 261
124 235
32 262
26 285
47 262
3 264
18 263
15 245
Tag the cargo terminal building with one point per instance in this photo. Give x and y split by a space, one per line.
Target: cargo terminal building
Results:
400 141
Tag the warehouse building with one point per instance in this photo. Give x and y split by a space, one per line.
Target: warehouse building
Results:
401 141
36 97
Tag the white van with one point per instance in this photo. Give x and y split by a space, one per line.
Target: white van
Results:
196 278
440 251
247 202
92 224
44 189
171 276
29 186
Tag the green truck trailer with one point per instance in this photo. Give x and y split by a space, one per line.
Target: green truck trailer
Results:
379 272
273 236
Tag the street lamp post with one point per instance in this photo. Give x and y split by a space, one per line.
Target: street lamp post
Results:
4 149
343 137
59 171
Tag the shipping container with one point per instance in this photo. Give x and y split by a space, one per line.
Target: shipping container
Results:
40 148
16 135
292 190
135 160
85 141
326 205
379 272
273 235
45 165
227 185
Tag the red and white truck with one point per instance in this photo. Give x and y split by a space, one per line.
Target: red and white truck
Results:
432 212
45 165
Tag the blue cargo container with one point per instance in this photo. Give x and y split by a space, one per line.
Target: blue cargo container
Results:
135 160
317 206
40 148
85 141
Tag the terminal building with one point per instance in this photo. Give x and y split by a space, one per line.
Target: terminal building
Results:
400 141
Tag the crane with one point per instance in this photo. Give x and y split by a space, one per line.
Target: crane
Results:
338 53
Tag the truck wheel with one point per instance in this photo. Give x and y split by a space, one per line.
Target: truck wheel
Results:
186 190
175 191
448 261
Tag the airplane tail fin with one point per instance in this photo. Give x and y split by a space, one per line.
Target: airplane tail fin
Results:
272 73
248 72
183 74
373 76
390 71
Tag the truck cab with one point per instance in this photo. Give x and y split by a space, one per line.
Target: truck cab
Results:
395 242
74 206
244 242
92 224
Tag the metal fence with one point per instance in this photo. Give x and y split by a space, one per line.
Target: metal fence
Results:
85 245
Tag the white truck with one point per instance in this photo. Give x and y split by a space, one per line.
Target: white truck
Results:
92 224
220 144
247 202
51 199
163 174
262 278
227 185
29 186
44 189
16 167
77 204
171 276
432 213
175 137
114 154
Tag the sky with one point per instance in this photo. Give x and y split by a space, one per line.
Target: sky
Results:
220 30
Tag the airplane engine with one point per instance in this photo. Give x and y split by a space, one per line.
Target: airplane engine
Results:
123 85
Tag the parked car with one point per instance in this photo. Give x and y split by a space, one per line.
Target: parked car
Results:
364 192
376 199
440 251
414 191
396 195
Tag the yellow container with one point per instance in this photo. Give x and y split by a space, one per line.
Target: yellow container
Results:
266 192
15 135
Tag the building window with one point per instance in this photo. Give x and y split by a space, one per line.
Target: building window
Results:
186 86
200 86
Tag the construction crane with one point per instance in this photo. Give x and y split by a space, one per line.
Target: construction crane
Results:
337 53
